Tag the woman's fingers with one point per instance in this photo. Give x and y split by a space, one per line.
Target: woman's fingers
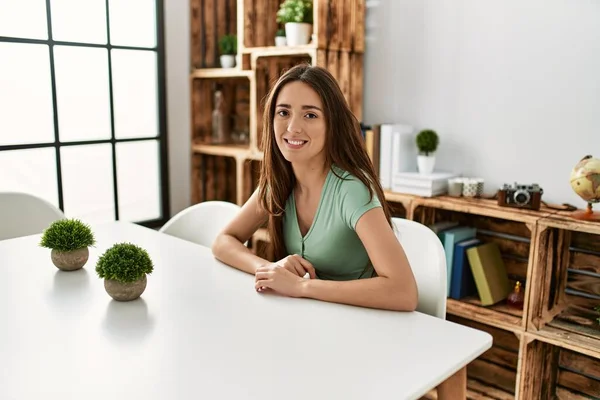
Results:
263 275
306 267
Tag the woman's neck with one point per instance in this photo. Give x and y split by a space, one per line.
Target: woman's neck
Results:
310 177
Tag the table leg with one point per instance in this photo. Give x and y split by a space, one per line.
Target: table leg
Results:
455 387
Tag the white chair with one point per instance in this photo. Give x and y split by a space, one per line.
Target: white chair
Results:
23 214
202 222
427 259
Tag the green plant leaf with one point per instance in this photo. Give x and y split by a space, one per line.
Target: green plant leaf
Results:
295 11
124 262
427 141
67 235
228 44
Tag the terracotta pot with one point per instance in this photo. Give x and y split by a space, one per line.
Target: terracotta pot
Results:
70 260
125 291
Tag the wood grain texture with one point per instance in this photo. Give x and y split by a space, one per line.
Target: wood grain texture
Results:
540 362
493 375
579 383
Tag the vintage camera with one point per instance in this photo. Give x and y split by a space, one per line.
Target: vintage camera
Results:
521 196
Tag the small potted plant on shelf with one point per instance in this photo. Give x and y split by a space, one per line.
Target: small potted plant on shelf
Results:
124 267
228 50
280 39
69 240
427 143
297 15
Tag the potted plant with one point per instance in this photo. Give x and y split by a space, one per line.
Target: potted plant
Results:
297 15
427 143
228 50
280 39
69 240
124 267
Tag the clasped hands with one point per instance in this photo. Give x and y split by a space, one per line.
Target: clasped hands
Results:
285 276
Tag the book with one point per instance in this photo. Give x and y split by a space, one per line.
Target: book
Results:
463 283
449 238
489 273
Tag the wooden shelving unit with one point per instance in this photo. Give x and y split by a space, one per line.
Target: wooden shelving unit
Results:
551 348
553 345
230 171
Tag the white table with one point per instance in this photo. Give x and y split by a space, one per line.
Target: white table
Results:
201 331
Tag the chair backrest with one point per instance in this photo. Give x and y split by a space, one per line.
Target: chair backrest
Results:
427 259
23 214
202 222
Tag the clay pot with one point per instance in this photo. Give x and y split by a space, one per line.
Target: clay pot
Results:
70 260
125 291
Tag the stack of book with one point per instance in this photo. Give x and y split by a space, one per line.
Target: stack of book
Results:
425 185
474 268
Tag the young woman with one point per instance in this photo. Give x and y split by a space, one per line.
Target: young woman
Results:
325 208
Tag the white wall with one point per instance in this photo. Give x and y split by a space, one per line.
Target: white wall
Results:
177 43
511 86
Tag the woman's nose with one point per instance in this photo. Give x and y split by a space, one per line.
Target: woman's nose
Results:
294 125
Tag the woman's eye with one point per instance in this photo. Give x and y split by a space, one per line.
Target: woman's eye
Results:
311 115
282 113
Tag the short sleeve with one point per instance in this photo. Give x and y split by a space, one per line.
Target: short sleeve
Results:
355 200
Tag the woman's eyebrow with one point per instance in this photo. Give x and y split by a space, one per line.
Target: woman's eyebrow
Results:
305 107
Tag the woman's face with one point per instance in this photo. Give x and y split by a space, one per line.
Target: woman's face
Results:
299 124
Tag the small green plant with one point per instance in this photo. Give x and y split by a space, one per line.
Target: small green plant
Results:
280 32
124 262
597 308
295 11
228 44
67 235
427 141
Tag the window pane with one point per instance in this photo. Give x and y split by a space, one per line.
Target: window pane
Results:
79 21
87 177
25 95
133 23
23 18
138 180
82 93
135 93
30 171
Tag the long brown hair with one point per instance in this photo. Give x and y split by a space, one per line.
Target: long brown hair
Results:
343 141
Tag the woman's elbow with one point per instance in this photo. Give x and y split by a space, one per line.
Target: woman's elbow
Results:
217 245
406 298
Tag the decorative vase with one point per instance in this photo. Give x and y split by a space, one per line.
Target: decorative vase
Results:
70 260
298 33
280 41
125 291
228 60
426 164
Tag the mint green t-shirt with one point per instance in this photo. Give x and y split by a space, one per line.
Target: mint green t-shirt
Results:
331 244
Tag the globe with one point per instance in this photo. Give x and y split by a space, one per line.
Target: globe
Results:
585 181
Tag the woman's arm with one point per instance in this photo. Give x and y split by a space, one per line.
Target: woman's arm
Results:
229 246
394 288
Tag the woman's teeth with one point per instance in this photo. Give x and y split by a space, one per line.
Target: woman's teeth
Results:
296 142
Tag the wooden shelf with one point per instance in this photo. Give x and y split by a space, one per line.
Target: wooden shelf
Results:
566 338
267 51
564 220
485 207
477 390
499 315
215 73
235 151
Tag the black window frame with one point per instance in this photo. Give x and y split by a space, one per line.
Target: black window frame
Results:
162 110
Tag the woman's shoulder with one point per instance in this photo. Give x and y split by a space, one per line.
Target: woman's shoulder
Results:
346 183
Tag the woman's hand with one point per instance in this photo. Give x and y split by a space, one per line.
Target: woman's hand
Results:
279 279
297 265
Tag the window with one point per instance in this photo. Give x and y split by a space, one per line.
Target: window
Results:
82 107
